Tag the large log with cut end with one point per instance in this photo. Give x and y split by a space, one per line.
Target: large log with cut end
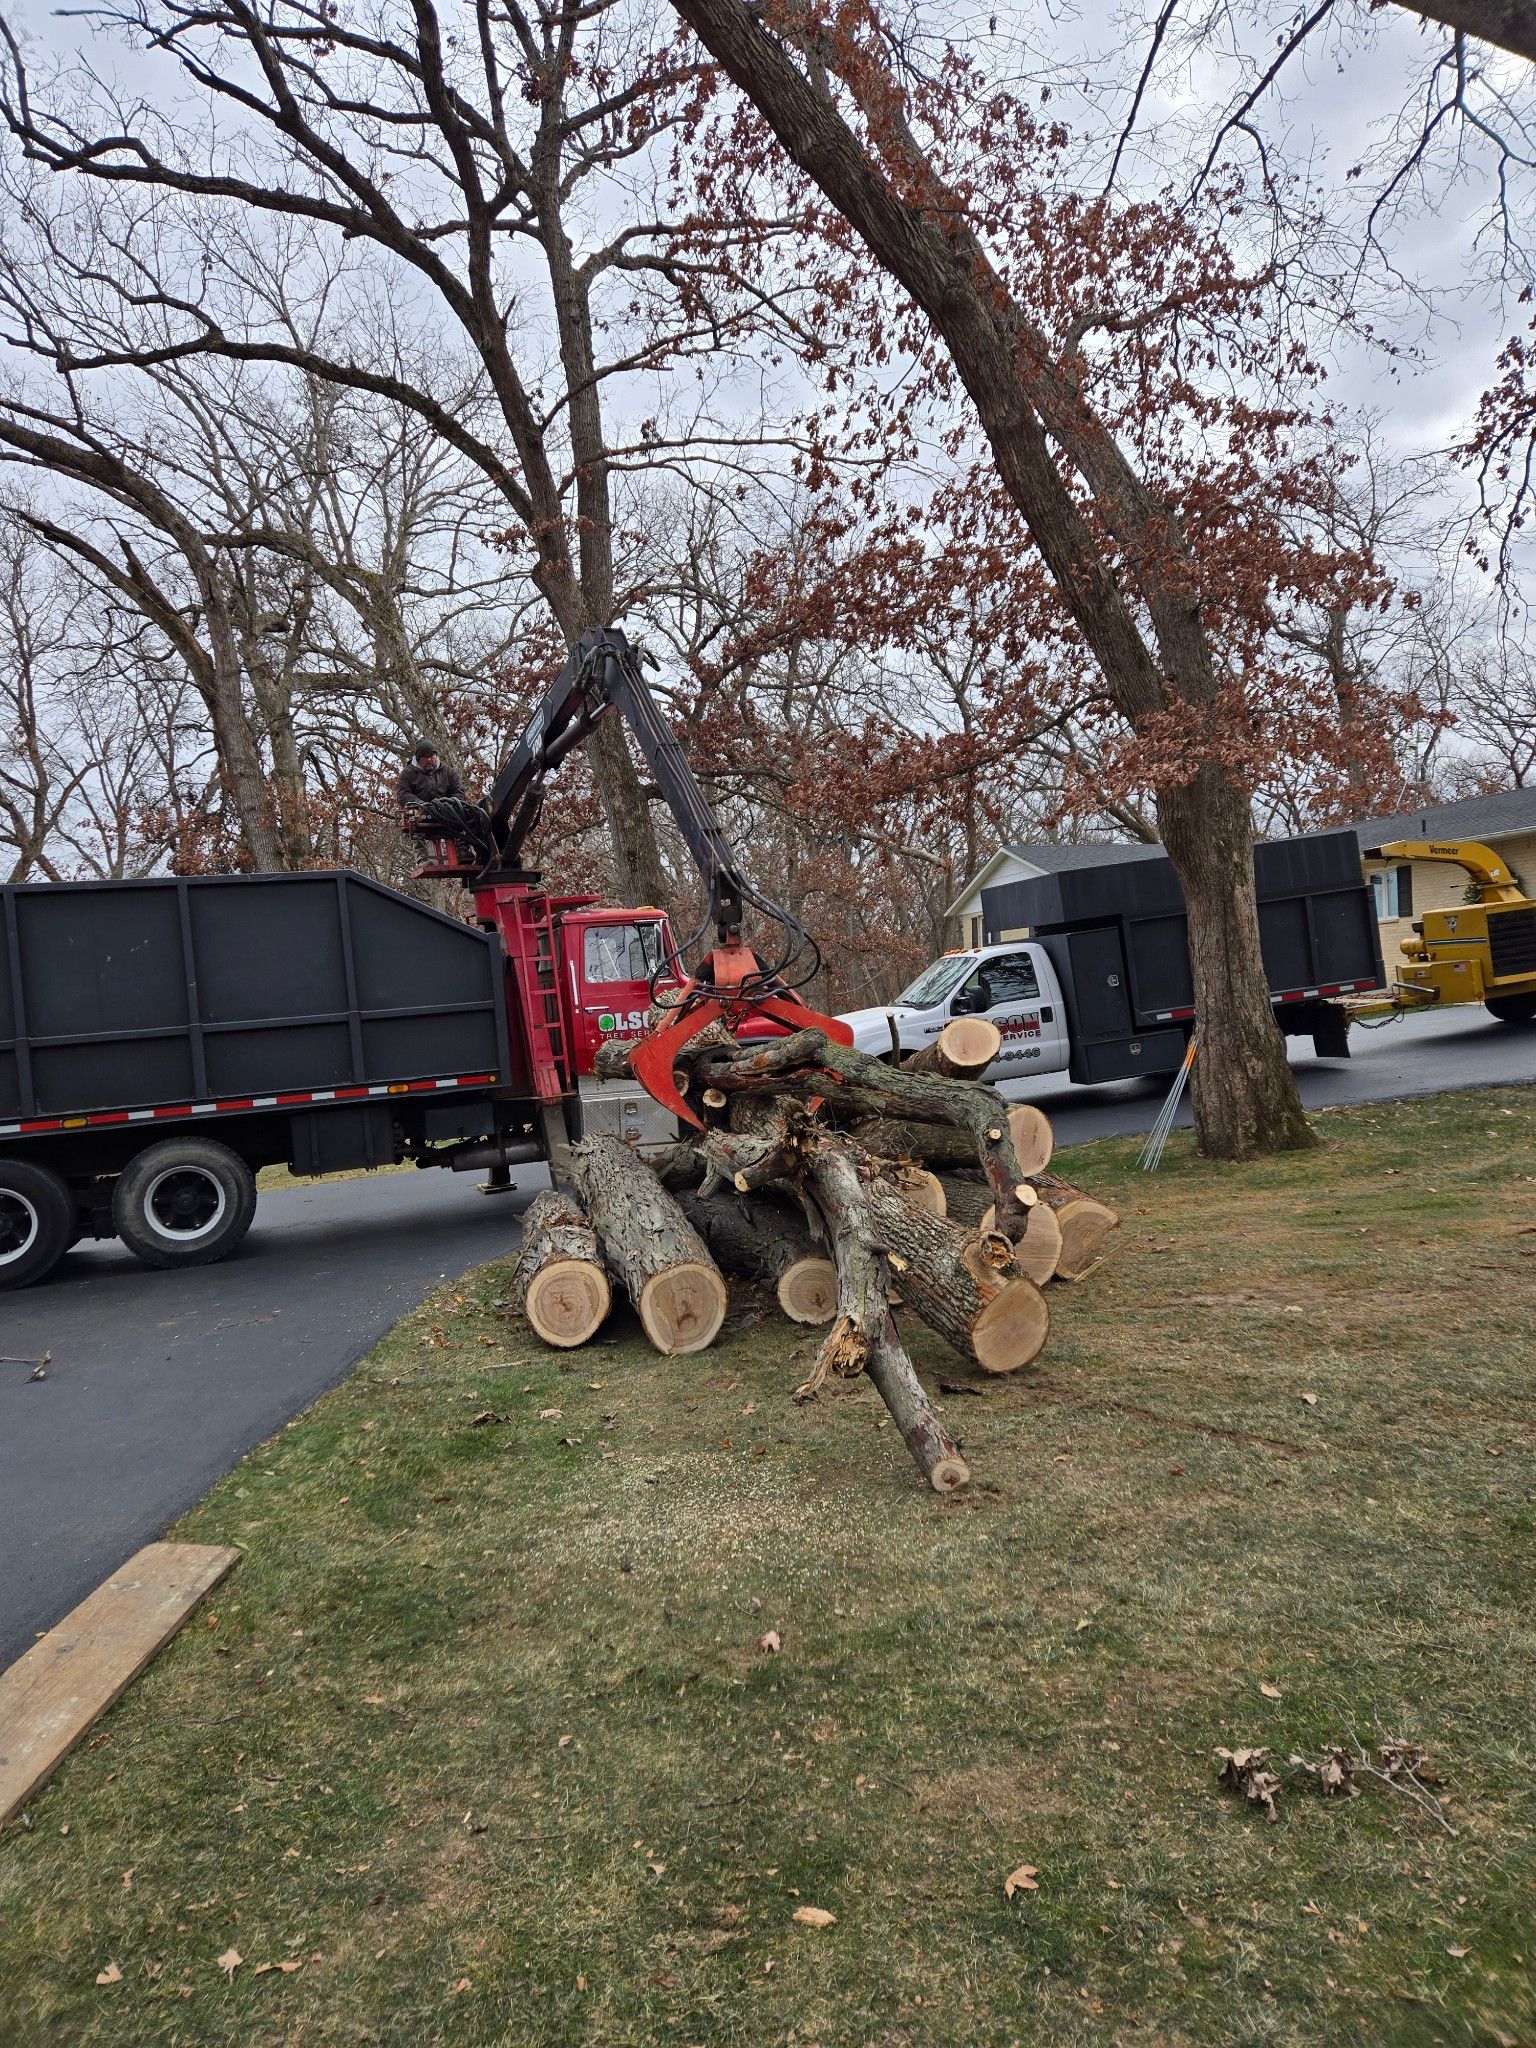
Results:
762 1239
947 1146
963 1050
558 1281
1085 1223
1001 1328
648 1242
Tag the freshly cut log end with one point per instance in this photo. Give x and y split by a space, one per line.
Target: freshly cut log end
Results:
558 1281
567 1302
1011 1330
1084 1227
1085 1223
1033 1139
949 1474
683 1306
963 1050
921 1188
807 1291
1038 1251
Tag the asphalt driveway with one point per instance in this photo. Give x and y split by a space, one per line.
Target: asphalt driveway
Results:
160 1382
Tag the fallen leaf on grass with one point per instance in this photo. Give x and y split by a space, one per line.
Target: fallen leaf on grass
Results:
551 1414
110 1975
565 1742
1310 1399
814 1916
1456 1951
456 1988
769 1644
287 1968
230 1961
1246 1771
1021 1880
657 1869
1270 1692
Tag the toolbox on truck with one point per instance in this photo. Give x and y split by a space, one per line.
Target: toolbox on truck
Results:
198 989
1116 935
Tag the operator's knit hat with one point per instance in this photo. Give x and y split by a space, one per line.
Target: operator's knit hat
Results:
423 749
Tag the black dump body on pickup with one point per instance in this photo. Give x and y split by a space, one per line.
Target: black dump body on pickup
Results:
1116 935
213 995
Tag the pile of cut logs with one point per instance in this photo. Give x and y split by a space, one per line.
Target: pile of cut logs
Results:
848 1186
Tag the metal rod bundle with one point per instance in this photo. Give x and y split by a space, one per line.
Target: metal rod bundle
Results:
1157 1137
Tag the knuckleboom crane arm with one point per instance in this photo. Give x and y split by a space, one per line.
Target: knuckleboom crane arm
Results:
604 673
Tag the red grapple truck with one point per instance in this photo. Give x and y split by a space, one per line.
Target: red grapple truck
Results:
162 1040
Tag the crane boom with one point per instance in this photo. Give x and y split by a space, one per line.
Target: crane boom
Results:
604 673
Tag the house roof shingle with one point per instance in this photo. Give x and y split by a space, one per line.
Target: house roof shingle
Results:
1474 817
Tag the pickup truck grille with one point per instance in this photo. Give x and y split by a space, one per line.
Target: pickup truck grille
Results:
1512 941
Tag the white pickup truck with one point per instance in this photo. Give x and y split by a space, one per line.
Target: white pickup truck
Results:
1013 986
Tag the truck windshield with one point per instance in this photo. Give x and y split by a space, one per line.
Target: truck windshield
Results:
935 982
621 952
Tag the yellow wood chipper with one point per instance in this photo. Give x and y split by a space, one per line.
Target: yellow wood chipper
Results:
1483 951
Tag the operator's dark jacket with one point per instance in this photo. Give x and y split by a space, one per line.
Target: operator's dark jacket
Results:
418 785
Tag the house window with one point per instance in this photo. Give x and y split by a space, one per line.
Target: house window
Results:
1393 890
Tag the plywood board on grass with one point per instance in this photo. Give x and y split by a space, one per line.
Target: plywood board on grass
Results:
56 1691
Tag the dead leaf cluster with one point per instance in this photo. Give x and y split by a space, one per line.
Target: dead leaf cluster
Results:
1334 1772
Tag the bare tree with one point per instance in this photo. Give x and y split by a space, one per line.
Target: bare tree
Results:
487 170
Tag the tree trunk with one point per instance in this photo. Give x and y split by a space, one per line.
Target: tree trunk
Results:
1000 1329
558 1281
963 1050
672 1280
1245 1098
762 1239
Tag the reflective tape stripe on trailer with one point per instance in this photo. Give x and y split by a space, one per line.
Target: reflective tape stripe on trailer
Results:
164 1112
1290 995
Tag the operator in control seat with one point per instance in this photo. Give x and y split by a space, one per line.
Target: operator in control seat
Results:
425 780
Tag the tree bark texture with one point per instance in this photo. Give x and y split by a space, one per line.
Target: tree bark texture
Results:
1000 1329
558 1281
762 1239
1244 1090
648 1242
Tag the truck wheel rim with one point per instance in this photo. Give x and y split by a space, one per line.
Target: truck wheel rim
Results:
19 1225
185 1203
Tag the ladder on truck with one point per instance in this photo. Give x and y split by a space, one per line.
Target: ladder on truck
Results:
534 964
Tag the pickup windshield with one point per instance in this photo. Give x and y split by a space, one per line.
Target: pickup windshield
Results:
935 982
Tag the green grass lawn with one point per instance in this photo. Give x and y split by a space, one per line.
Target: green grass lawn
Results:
478 1736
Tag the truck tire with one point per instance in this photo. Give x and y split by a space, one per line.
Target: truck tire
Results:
185 1202
1511 1009
37 1221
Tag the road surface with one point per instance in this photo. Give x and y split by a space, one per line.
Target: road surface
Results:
160 1382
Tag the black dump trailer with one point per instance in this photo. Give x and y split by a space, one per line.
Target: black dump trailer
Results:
1117 937
162 1040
